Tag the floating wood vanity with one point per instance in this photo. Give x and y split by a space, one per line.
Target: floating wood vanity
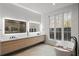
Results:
13 45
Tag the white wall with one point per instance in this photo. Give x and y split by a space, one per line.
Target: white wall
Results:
74 9
11 11
43 23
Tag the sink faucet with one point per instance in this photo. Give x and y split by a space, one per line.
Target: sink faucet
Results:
27 33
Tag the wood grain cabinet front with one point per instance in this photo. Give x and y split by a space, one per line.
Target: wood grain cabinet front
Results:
10 46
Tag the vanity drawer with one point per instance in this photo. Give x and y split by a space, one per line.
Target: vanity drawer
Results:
10 46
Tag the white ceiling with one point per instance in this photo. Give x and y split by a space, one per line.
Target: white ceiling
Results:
43 7
8 10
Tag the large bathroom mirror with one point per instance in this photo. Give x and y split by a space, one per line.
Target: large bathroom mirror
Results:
34 27
13 26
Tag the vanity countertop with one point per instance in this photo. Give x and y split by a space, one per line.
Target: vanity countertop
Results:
5 40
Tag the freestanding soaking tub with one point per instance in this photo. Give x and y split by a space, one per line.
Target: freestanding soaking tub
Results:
64 48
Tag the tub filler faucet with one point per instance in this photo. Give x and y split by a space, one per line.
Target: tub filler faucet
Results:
75 39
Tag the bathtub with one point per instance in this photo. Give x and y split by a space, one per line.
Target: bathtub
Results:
64 48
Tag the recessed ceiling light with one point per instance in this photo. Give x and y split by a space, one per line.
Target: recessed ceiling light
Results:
53 4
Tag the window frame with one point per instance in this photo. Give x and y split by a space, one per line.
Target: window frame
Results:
62 28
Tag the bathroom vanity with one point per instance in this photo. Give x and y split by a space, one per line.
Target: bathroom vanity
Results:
19 34
13 45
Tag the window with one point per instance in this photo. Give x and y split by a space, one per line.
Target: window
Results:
52 27
58 27
67 26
